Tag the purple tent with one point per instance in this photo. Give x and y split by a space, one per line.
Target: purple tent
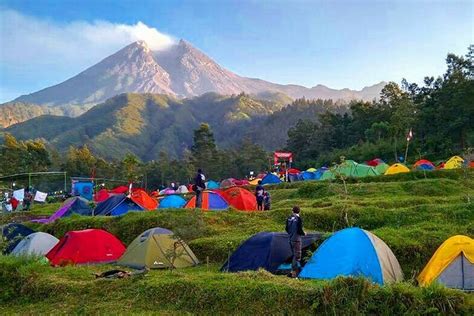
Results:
75 205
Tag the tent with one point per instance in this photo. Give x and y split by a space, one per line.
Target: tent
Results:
210 201
74 205
350 168
293 171
308 175
172 201
35 244
327 175
454 162
254 181
182 189
142 198
374 162
424 164
240 198
452 264
271 178
353 252
267 250
381 168
116 205
158 248
319 172
397 168
122 189
86 246
101 195
228 183
311 169
12 234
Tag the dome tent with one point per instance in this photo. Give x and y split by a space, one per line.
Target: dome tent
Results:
424 164
212 185
86 246
353 252
12 234
267 250
36 244
75 205
172 201
454 162
116 205
210 201
397 168
158 248
271 178
240 198
452 264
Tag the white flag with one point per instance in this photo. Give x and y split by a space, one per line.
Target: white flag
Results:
19 194
410 135
40 196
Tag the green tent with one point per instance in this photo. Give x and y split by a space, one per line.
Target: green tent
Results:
327 175
350 168
381 168
157 248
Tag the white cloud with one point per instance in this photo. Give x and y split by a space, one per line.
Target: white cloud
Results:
50 50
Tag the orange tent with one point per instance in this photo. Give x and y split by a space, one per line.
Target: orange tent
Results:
144 200
240 198
211 200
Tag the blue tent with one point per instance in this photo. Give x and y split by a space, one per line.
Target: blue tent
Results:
13 233
116 205
270 178
353 252
425 166
212 185
318 174
265 250
307 175
172 201
80 206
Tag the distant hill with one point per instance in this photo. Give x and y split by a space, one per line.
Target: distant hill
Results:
146 124
181 71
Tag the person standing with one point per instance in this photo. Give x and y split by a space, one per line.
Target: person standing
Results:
199 186
294 228
267 201
27 200
259 191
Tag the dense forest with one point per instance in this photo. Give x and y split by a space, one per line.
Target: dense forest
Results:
440 114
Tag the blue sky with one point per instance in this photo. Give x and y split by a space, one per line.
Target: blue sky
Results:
336 43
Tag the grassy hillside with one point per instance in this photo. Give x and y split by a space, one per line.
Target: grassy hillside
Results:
413 216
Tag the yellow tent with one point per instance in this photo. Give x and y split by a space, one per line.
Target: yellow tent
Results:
457 248
311 170
254 181
455 162
397 168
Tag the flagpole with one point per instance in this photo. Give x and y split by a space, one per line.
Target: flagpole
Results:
406 152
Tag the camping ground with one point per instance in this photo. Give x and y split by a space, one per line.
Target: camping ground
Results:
413 213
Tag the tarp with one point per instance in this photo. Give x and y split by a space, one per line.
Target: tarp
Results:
172 201
86 246
12 234
142 198
266 250
454 162
75 205
35 244
116 205
397 168
158 248
353 252
19 194
240 199
270 178
83 188
445 256
210 201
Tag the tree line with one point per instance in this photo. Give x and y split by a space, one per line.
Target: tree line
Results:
440 114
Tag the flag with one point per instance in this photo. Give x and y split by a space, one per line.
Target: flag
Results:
409 135
40 196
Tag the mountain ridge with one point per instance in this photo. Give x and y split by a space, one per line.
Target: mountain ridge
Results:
181 71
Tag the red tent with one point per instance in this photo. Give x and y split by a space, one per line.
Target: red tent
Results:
374 162
424 162
144 200
241 182
240 198
86 246
120 189
101 195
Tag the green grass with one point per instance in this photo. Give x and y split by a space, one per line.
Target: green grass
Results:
412 214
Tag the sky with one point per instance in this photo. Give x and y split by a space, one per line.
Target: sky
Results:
338 43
